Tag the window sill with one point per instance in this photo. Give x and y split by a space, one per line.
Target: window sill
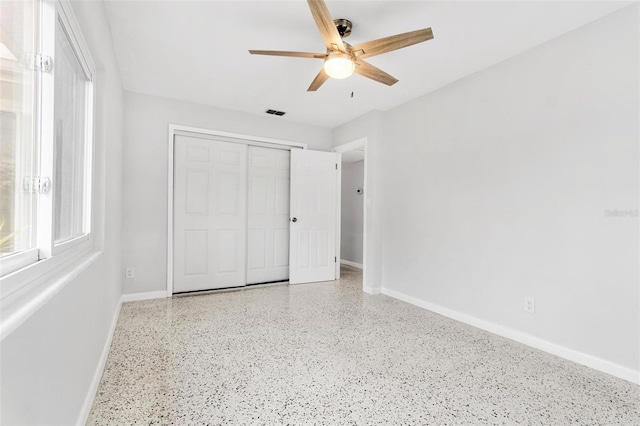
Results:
15 281
19 305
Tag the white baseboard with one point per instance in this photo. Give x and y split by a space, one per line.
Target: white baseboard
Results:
527 339
97 375
371 290
134 297
352 264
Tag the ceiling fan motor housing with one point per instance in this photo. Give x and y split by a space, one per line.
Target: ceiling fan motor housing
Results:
343 26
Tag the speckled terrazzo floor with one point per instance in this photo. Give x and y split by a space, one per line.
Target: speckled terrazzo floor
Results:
326 353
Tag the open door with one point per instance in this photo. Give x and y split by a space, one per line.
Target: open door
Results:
313 221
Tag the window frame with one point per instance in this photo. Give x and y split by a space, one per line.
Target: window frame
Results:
74 35
20 269
62 12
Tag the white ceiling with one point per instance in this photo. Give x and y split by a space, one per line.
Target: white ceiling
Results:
197 51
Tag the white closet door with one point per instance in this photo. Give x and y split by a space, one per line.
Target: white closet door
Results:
209 214
313 216
268 215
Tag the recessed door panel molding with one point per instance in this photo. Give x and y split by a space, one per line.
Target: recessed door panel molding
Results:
313 223
196 248
197 189
322 248
281 247
303 250
282 196
197 154
268 217
258 195
256 253
229 193
230 157
210 213
257 160
227 261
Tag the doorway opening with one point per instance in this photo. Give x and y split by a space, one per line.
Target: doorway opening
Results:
353 205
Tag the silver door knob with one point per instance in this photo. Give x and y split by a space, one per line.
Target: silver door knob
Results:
295 219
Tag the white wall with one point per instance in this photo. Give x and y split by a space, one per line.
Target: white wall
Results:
49 363
495 189
352 212
145 172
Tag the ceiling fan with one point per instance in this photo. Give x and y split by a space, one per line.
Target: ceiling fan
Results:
342 59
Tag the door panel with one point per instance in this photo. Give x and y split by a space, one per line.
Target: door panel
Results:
282 196
258 194
281 248
209 214
229 193
313 204
268 219
197 187
256 253
196 247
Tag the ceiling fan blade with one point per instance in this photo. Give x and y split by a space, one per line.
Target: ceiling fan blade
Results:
365 69
326 26
388 44
291 54
318 81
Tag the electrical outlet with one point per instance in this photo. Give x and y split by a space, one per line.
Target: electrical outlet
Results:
530 305
129 273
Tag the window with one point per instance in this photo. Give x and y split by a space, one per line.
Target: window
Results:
71 132
18 114
46 129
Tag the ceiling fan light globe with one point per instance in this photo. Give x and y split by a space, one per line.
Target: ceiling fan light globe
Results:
339 66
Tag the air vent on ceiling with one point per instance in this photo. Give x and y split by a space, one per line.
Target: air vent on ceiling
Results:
274 112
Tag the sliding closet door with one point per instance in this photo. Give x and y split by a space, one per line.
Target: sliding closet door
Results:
210 213
268 215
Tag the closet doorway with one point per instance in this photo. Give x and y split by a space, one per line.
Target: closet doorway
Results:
231 208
